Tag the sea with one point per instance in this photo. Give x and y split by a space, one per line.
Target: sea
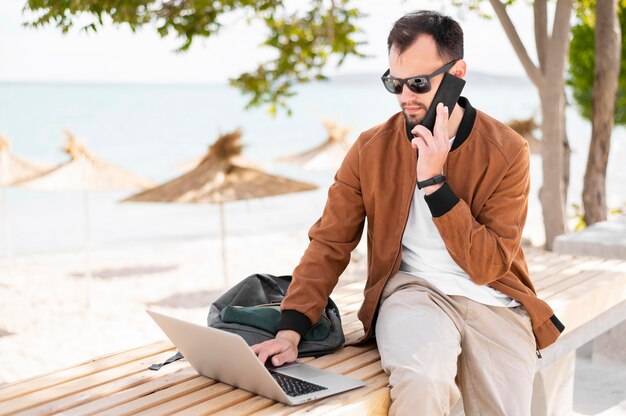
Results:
151 129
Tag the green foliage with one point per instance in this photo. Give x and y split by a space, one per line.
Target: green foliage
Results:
579 217
616 211
582 60
304 41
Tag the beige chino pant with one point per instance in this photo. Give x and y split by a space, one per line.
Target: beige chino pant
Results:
438 349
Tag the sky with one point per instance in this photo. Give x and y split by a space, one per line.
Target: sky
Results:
116 55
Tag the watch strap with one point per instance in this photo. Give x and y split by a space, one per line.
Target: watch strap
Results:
432 181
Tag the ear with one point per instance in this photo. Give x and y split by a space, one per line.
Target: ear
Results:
459 69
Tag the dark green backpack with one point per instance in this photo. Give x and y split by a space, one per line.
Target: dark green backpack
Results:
250 310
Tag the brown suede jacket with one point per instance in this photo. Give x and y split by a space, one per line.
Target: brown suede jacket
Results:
480 213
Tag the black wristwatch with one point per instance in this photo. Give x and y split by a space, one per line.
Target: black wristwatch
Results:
432 181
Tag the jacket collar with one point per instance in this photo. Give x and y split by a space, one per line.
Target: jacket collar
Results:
467 122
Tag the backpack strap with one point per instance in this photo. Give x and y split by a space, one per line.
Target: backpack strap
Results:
175 357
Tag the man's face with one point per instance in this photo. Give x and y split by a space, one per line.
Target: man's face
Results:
420 58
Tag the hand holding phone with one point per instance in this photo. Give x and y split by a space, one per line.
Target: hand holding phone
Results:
431 136
448 93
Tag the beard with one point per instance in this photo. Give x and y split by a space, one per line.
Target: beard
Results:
413 120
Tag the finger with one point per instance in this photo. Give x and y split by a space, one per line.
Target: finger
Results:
256 348
419 143
421 131
268 351
440 130
446 118
262 356
284 357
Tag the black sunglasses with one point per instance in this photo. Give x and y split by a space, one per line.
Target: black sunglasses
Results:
419 84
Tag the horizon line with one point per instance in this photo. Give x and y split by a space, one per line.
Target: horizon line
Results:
218 83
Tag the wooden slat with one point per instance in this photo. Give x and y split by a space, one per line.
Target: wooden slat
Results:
358 362
531 253
354 337
355 287
608 268
366 374
353 298
542 262
213 405
369 371
76 385
556 269
180 397
588 299
322 407
374 403
231 399
123 391
159 397
215 393
89 367
86 362
242 407
564 274
352 289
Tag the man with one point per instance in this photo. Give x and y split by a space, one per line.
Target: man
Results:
448 294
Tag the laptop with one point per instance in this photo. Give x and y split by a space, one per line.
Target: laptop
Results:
226 357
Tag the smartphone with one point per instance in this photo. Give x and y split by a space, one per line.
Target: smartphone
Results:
448 93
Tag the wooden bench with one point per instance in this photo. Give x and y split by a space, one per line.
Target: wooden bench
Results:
588 295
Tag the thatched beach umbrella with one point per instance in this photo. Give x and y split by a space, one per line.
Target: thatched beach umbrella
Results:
13 169
85 172
326 156
187 165
221 177
525 128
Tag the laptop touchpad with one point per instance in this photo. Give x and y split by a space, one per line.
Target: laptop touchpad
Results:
302 371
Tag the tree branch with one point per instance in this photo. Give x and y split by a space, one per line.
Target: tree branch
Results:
531 69
559 40
540 9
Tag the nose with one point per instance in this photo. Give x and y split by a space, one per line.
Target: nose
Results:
407 94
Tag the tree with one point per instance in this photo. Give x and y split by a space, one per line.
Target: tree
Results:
304 41
547 74
595 61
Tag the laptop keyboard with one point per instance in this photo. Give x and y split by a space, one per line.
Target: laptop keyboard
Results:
294 386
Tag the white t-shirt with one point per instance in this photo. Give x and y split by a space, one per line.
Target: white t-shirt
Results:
424 254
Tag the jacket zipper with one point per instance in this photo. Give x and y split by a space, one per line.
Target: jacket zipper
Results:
407 209
406 217
406 220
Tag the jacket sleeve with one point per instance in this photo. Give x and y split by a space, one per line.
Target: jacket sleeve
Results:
485 246
332 239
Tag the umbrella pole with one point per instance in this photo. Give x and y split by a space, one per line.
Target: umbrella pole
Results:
223 238
88 276
4 208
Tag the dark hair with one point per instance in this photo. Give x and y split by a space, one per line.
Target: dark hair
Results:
446 32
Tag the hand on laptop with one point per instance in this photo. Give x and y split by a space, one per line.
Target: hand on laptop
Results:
283 349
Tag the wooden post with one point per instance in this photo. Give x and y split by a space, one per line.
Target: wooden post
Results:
223 239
